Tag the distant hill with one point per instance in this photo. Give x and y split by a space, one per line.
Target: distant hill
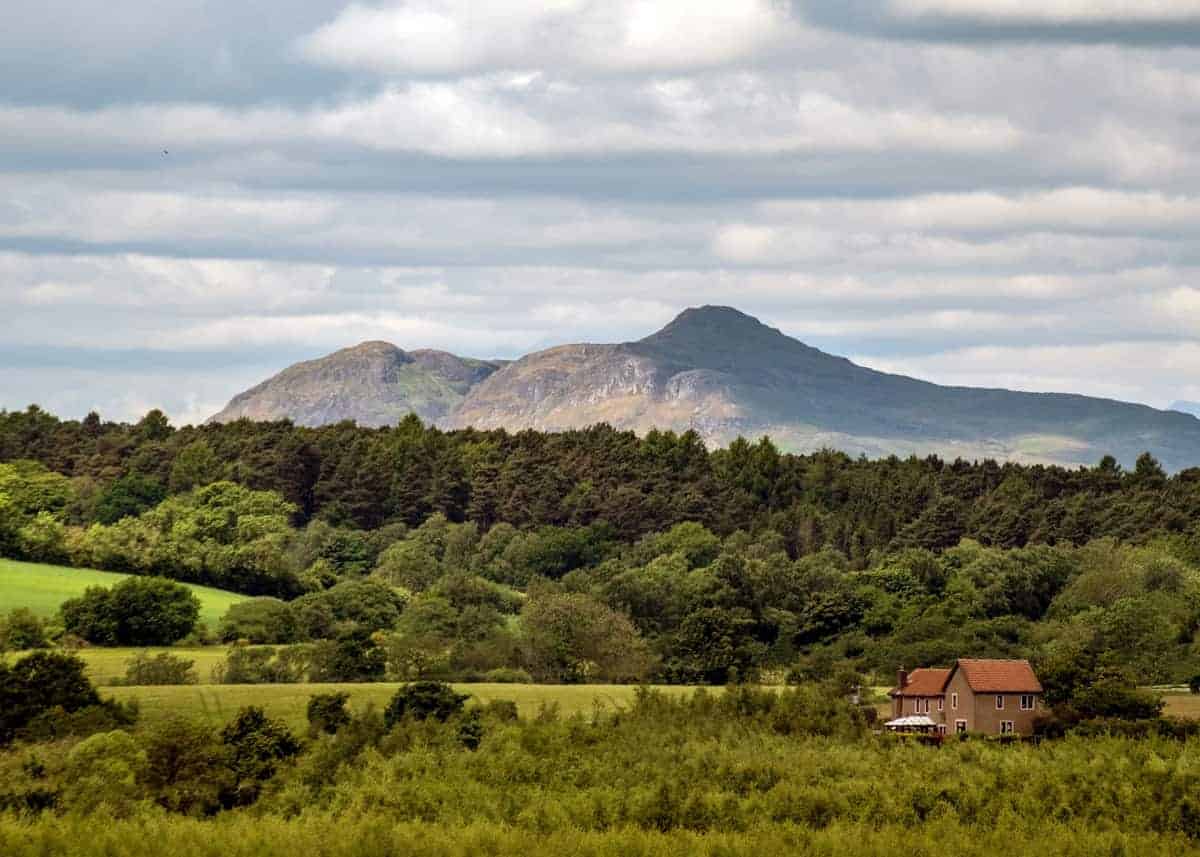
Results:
1183 407
724 374
374 384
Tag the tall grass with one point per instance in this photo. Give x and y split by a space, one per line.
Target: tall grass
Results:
320 835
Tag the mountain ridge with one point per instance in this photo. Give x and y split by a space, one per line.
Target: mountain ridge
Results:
723 373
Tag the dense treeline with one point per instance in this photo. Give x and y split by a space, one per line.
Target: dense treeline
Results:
598 556
366 478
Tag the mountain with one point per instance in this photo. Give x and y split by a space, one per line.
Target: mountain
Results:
1183 407
374 384
724 374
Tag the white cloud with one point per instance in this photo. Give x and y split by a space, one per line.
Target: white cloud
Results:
463 37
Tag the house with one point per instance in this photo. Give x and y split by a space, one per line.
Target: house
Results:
995 697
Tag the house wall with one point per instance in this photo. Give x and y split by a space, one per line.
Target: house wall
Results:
988 717
904 706
966 703
980 712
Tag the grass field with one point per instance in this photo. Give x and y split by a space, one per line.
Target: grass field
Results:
42 588
105 666
219 703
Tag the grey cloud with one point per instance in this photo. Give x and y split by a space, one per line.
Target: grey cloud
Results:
919 199
974 22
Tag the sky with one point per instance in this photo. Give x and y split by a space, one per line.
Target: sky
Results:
195 194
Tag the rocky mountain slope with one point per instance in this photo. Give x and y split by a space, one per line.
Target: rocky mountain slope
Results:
724 374
374 383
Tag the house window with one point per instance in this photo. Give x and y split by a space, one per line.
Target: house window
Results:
1006 727
941 728
1027 702
927 706
960 726
954 701
999 702
941 703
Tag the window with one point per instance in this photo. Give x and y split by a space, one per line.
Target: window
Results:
960 726
999 702
941 703
1006 727
927 706
1027 702
954 701
941 728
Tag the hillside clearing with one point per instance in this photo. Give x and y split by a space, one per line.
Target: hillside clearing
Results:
42 588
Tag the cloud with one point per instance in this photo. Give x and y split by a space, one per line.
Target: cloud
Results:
1173 22
877 177
1127 370
440 37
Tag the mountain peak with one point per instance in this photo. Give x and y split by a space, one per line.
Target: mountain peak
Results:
708 323
373 347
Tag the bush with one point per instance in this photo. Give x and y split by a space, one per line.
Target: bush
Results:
185 766
422 700
262 665
163 668
508 675
138 611
327 713
255 744
353 656
366 605
259 620
105 772
38 683
20 630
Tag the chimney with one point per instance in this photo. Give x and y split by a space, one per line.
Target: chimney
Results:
901 678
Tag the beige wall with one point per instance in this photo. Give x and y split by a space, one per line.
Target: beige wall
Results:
905 706
980 712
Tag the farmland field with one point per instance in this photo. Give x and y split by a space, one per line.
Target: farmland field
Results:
219 703
42 588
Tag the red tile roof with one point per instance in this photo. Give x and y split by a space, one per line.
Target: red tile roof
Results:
923 682
994 676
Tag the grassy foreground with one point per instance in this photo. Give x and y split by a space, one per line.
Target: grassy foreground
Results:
42 588
329 836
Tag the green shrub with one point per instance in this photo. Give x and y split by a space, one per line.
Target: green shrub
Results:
105 773
422 700
21 630
255 745
262 665
327 713
138 611
38 683
162 668
259 620
354 656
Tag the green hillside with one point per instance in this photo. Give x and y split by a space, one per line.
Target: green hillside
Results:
42 588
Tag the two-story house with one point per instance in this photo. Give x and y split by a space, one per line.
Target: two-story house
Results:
997 697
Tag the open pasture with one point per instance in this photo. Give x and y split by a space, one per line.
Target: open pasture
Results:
42 588
219 703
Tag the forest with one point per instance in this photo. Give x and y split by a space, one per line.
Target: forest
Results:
601 556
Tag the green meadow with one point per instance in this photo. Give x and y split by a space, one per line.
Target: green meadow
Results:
42 588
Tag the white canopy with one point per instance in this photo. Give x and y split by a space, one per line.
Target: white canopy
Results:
913 721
